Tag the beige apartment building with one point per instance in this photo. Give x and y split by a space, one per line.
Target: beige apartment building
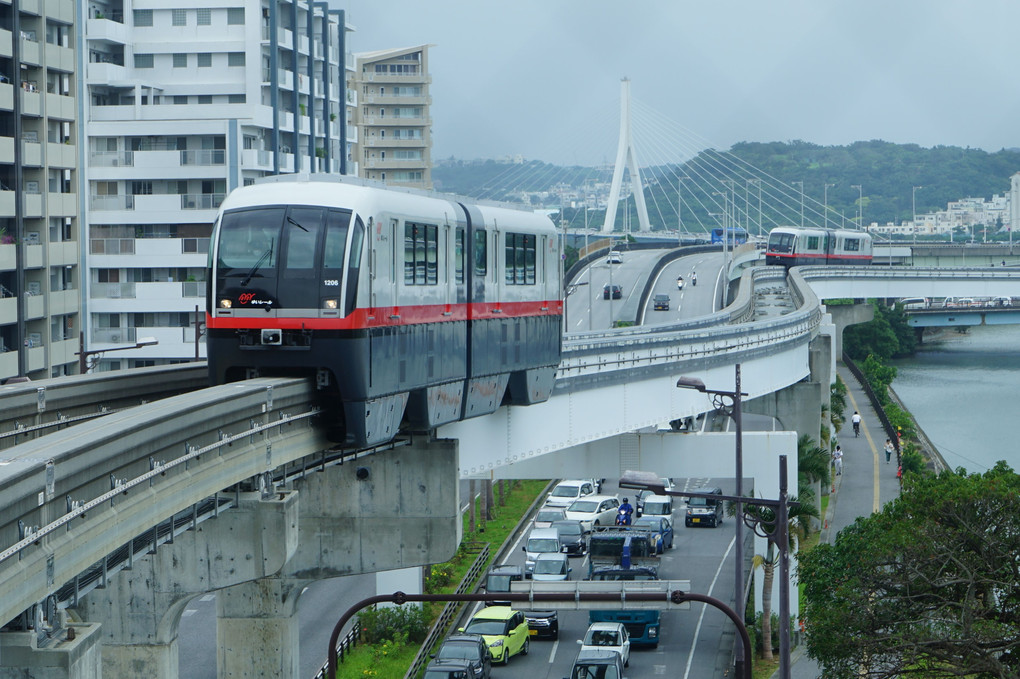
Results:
394 140
40 278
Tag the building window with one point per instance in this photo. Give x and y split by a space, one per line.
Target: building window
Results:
204 59
143 61
180 100
143 17
235 59
204 17
179 17
236 99
180 60
205 98
142 188
235 16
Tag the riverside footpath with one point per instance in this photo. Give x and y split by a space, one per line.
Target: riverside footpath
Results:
865 485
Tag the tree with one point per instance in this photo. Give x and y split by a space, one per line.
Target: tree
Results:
798 527
928 587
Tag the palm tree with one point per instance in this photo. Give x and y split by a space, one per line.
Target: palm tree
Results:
799 527
814 469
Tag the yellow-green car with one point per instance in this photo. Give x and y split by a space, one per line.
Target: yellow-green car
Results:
504 630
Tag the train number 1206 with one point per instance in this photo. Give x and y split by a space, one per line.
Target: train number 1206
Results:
331 282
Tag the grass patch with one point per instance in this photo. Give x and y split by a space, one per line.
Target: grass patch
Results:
763 669
392 659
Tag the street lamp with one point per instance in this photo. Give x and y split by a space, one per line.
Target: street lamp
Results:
860 206
87 359
767 518
801 183
913 206
730 401
825 202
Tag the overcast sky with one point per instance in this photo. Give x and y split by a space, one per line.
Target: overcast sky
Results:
541 78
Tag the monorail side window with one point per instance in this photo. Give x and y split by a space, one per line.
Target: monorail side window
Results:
812 243
421 252
458 256
354 266
852 244
481 254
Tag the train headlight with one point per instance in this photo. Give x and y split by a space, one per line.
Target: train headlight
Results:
329 304
225 304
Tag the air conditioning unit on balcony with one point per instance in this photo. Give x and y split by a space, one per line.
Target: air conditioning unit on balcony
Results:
34 339
34 288
32 238
114 338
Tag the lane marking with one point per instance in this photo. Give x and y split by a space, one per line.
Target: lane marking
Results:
874 454
704 607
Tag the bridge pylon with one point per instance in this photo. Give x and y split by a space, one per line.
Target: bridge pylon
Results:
626 156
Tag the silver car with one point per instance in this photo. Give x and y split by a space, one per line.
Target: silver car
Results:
594 510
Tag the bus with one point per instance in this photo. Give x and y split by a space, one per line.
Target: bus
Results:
735 235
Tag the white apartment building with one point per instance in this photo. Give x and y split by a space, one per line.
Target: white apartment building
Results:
393 118
40 292
183 103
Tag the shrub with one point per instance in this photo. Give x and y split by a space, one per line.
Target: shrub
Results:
394 623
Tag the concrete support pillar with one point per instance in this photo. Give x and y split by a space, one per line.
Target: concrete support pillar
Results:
140 609
74 653
391 510
257 634
844 315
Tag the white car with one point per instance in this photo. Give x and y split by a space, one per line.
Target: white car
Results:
614 257
565 492
551 567
546 515
594 510
607 636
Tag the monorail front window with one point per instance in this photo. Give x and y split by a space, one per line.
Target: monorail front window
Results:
249 241
781 242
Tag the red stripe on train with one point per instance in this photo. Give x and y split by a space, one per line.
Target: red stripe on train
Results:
381 317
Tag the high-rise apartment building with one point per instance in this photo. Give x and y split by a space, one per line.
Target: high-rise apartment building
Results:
183 104
39 214
393 119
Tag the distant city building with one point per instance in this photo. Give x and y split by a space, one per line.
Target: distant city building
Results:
992 216
394 142
40 280
184 104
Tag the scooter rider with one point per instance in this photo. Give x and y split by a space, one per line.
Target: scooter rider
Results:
623 517
679 282
694 278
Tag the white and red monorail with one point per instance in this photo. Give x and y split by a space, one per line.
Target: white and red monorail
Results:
793 246
410 309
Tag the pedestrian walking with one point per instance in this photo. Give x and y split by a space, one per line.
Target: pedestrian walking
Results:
888 450
837 459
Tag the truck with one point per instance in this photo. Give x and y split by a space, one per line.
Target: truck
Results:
625 555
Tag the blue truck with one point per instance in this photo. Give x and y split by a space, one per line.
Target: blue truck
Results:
625 555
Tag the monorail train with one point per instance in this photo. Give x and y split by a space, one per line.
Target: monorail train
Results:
793 246
409 308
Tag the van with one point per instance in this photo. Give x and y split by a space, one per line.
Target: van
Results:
914 303
540 541
565 492
704 511
657 505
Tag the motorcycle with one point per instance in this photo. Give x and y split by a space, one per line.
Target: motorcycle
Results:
623 518
694 279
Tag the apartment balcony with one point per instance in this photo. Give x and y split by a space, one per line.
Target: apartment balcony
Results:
6 98
112 291
393 121
62 204
106 72
111 159
403 100
397 79
37 359
7 202
393 164
60 57
64 351
31 7
33 204
8 310
31 100
115 203
391 143
108 30
61 155
35 306
63 253
8 362
8 257
201 201
31 153
60 106
203 157
256 159
33 256
64 302
112 336
59 10
30 50
6 43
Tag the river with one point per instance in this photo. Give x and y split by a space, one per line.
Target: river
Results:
962 389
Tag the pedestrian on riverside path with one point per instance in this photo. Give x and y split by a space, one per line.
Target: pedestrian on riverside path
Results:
888 450
837 459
